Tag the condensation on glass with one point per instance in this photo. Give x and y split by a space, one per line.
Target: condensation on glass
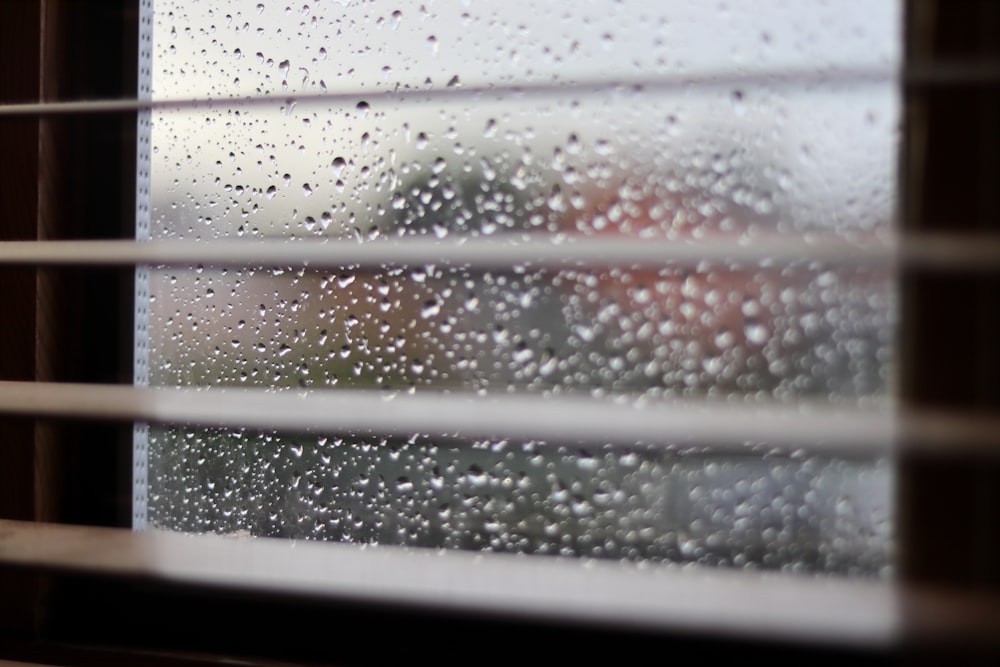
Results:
655 121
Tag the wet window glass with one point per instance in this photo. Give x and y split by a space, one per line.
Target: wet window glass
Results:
660 123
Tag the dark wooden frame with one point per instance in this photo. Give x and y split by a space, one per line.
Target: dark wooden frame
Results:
949 520
64 177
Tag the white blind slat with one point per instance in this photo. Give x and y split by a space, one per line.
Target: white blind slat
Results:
916 75
558 419
619 594
718 426
931 251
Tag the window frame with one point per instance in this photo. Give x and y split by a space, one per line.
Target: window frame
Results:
43 463
53 191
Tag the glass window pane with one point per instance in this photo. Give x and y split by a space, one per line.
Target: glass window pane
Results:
662 123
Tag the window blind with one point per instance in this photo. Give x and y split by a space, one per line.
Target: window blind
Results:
701 424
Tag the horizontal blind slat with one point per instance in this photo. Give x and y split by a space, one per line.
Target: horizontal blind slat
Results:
558 419
687 599
618 593
942 252
815 427
723 78
924 75
715 426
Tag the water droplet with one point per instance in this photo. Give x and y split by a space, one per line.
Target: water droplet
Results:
522 353
573 144
431 309
737 100
755 332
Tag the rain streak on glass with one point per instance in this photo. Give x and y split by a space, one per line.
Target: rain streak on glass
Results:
407 151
